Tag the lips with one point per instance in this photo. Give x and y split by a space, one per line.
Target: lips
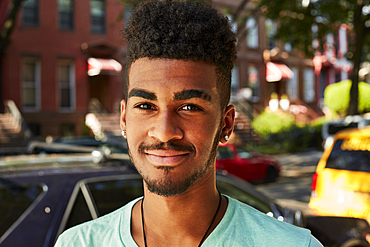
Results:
166 157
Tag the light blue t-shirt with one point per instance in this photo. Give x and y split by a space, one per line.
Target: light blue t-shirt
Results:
241 225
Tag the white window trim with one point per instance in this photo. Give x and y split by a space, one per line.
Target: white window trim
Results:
251 30
293 84
72 84
255 98
37 84
309 88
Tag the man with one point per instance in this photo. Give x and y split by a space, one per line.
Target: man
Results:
175 113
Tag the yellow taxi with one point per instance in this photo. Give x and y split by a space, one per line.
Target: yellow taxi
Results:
341 184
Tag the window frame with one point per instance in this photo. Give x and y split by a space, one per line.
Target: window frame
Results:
36 86
255 91
72 85
88 196
36 12
102 29
292 88
309 88
69 14
252 40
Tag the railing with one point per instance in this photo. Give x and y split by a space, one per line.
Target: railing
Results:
242 106
96 107
11 108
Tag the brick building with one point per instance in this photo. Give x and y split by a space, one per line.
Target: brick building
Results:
65 60
63 56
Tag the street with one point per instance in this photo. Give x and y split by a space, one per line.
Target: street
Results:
293 187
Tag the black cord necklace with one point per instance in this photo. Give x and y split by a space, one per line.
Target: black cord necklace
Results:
205 234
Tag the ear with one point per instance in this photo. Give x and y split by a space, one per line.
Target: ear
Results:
122 121
228 123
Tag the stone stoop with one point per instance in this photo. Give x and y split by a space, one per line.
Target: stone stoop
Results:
103 124
11 135
243 130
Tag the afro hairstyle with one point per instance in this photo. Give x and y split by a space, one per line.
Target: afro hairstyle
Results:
182 31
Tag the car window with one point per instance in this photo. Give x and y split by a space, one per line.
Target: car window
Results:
106 195
80 212
113 194
231 190
350 154
14 201
244 154
224 153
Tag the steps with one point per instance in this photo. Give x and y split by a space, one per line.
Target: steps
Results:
103 124
11 135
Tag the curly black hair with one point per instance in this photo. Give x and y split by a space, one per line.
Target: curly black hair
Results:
183 31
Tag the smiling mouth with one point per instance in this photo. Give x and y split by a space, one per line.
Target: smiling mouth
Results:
165 158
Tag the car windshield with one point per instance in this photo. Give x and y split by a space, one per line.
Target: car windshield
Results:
350 154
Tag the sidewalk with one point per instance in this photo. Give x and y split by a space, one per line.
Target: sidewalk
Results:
299 164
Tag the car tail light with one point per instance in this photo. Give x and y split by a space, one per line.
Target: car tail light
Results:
367 237
314 181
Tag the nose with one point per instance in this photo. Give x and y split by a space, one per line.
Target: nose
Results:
166 127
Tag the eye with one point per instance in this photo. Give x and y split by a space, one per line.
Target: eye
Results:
191 107
145 106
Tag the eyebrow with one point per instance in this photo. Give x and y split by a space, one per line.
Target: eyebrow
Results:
183 95
192 93
142 94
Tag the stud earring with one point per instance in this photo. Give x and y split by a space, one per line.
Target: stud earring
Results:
226 137
123 132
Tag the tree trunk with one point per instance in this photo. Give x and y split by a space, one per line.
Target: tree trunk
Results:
359 27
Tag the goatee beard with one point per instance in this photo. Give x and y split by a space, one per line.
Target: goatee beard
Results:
167 186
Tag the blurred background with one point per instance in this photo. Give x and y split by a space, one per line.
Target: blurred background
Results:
302 74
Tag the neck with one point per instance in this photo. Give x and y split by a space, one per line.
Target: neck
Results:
187 215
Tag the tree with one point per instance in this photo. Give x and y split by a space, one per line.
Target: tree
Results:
303 21
6 29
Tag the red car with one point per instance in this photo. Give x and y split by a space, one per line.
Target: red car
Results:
249 166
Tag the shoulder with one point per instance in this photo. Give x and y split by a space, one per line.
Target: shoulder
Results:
250 227
104 229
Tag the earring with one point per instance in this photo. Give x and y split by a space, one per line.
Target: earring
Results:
226 137
123 132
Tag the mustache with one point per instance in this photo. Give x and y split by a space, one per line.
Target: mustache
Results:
166 146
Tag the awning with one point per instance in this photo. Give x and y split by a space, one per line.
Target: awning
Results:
275 72
96 66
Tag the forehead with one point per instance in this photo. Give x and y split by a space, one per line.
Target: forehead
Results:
169 74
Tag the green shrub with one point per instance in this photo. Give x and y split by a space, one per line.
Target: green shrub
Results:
271 123
336 97
281 134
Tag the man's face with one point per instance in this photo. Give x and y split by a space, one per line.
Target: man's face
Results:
173 120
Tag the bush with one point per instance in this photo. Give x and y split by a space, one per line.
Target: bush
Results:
272 123
281 134
336 97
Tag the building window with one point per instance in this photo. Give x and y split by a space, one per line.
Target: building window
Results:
30 13
270 32
292 85
97 9
31 84
66 82
309 85
65 13
254 82
128 11
252 33
235 79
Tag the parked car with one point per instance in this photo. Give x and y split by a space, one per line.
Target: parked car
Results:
250 166
111 144
42 195
341 184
